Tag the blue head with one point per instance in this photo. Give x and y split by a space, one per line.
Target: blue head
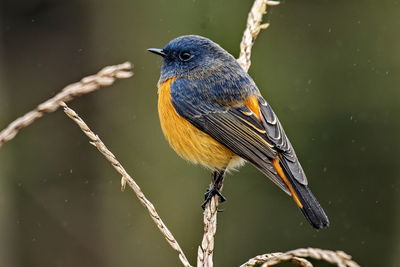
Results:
191 54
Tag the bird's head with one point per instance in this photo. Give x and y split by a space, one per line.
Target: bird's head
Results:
190 54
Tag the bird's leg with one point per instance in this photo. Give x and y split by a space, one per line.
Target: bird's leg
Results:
217 179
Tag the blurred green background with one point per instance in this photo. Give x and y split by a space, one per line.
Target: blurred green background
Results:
330 69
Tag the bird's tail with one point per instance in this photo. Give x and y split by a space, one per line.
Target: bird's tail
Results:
303 197
310 206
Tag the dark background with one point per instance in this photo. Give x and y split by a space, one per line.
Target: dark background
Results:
330 69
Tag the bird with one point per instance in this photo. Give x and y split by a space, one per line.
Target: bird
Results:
213 114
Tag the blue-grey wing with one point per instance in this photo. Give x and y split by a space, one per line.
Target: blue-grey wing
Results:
233 127
277 137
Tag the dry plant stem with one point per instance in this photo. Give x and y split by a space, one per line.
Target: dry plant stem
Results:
126 178
206 248
252 30
104 77
253 27
295 260
338 258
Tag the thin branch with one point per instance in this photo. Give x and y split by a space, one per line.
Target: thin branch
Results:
252 30
253 27
338 258
126 178
295 260
104 77
206 248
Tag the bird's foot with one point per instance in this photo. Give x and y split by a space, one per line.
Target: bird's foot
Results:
208 195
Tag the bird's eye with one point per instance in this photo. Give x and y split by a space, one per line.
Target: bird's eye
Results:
185 56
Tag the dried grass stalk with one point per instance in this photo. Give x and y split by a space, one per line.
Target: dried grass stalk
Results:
206 248
338 258
126 178
252 30
104 77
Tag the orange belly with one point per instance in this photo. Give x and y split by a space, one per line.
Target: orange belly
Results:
188 141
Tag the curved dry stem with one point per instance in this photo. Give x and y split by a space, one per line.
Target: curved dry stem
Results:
295 260
206 248
252 30
338 258
104 77
126 178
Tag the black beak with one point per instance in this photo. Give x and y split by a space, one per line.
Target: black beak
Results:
157 51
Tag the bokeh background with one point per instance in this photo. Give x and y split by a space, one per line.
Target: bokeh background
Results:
330 69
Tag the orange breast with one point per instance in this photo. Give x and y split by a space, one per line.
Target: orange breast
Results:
188 141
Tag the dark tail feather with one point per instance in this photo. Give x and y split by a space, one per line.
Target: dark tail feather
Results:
311 209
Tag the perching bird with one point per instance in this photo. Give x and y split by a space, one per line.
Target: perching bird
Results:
212 113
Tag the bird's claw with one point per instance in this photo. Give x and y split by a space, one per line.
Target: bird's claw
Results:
208 195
